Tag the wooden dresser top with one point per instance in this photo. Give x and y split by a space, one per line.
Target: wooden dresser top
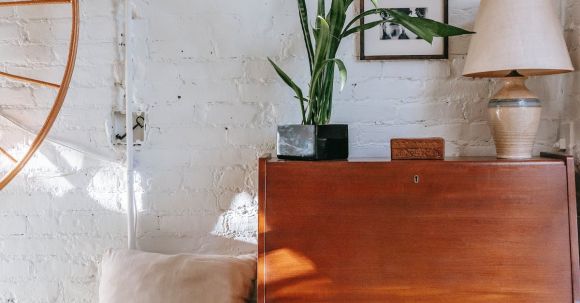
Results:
535 160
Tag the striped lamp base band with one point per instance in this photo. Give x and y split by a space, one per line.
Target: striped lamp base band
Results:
514 103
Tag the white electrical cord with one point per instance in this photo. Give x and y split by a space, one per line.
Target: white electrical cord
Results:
131 209
68 145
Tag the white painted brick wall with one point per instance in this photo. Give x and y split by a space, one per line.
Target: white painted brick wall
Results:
212 103
572 81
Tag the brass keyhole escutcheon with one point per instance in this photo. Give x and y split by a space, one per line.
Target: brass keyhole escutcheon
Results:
416 179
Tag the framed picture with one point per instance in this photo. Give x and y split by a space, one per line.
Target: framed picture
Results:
391 41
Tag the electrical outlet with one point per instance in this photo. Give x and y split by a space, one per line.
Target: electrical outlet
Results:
567 139
119 132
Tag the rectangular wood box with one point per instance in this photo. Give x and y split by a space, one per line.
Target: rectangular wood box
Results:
418 149
454 231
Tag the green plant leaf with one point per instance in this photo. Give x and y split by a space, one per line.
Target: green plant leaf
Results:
361 28
328 31
335 14
426 29
439 29
303 99
292 85
336 21
412 24
322 43
323 109
320 12
337 10
362 15
330 64
342 72
321 8
303 12
320 55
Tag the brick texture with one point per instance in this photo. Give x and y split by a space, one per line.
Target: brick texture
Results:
212 104
572 81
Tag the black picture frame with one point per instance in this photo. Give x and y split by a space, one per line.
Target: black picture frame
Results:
443 56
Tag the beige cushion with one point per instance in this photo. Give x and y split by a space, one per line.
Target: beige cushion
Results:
139 277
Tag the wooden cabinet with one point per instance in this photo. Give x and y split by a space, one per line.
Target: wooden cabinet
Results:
456 231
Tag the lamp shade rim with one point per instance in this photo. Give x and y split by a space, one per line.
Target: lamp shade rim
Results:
522 35
524 72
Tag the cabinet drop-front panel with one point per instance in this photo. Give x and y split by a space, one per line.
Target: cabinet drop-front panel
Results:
427 231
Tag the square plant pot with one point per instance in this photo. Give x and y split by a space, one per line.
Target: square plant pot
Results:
313 142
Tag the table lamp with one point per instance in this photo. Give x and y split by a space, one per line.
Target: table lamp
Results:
516 39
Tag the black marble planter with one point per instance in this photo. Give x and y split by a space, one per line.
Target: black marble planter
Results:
313 142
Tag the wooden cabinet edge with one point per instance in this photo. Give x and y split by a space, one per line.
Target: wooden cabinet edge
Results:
262 162
573 215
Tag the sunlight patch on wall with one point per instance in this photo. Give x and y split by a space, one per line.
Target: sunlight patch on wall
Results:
108 188
239 222
47 177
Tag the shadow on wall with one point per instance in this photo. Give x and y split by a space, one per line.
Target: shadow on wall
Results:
181 222
71 232
233 231
170 224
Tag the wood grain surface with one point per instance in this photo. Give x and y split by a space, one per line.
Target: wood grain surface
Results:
418 149
408 231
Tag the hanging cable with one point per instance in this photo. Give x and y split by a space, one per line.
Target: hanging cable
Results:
68 145
131 209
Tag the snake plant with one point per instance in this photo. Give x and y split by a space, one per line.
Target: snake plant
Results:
323 40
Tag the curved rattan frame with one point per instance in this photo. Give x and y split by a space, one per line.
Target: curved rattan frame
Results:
62 87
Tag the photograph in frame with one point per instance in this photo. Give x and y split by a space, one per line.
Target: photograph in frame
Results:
391 41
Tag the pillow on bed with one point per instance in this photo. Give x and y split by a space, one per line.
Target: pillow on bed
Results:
138 277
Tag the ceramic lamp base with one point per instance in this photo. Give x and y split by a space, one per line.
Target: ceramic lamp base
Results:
514 116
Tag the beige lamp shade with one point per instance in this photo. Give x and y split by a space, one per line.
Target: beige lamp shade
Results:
522 35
